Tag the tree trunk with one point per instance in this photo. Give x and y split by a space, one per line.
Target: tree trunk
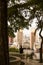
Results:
41 46
4 54
41 54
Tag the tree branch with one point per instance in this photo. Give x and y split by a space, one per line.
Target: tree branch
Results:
11 10
40 33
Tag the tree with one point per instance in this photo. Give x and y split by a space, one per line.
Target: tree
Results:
15 17
14 12
4 54
17 20
40 26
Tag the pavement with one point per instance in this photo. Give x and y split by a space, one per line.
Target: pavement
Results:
29 61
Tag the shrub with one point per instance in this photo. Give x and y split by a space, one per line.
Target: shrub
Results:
13 50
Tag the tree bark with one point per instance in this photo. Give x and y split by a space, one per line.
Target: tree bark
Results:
41 46
41 53
4 54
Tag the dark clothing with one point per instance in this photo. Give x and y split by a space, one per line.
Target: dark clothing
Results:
21 49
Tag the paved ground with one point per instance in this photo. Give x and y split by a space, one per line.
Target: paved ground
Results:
29 61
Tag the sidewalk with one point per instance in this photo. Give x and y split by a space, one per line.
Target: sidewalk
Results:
26 60
31 62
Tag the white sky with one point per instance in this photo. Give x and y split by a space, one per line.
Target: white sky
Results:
21 1
26 32
25 12
34 26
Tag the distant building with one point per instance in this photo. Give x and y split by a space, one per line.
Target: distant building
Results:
32 39
10 40
20 37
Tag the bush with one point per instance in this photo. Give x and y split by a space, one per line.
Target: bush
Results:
13 50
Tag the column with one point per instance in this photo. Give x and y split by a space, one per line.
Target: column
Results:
32 40
20 37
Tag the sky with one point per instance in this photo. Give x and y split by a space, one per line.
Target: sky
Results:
26 32
33 26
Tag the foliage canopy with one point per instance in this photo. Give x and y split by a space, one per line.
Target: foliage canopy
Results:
15 14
